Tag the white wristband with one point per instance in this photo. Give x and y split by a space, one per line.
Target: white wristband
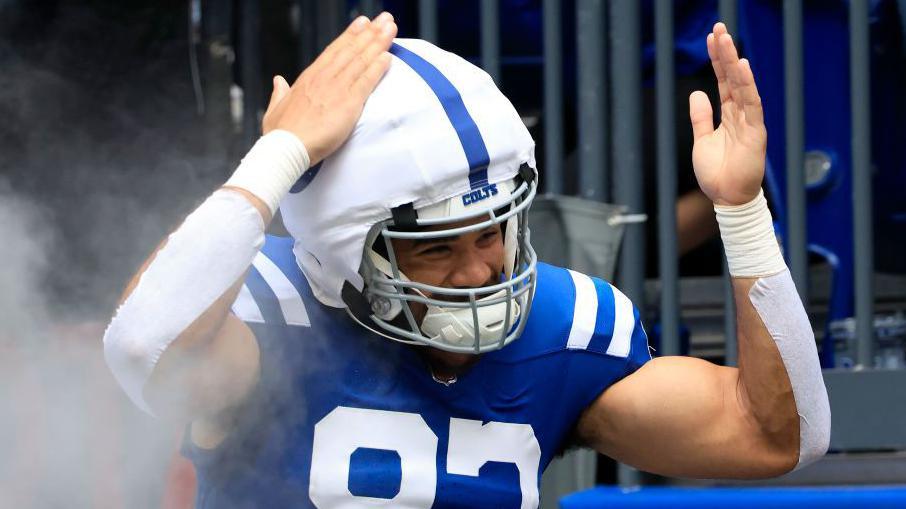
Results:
271 167
748 234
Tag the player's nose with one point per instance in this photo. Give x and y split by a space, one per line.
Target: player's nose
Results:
471 271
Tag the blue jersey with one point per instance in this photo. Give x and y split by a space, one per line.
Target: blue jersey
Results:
342 417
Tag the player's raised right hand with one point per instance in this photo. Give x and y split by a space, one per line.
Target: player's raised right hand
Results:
324 103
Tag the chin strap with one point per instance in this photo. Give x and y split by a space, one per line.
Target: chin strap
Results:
456 326
360 309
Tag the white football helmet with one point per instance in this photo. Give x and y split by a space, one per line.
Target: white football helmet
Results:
437 144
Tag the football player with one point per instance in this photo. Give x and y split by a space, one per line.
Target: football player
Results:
405 348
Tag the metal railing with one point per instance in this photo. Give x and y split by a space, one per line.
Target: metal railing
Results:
861 145
608 67
608 49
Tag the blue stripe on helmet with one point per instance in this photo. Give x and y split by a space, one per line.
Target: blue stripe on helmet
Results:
466 128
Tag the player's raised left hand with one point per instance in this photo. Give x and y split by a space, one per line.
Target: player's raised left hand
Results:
729 161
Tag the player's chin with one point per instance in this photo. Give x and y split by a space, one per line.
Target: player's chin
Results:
451 361
419 311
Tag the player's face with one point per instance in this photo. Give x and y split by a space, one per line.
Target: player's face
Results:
470 260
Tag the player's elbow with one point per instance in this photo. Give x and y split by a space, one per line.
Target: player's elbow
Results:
783 460
773 444
815 433
781 447
130 359
798 450
810 434
816 450
765 459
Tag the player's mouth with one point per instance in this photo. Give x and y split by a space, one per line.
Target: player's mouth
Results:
464 298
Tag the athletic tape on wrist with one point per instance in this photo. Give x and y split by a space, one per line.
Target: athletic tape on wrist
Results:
749 242
206 255
271 167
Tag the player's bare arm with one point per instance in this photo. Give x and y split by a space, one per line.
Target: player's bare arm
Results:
213 363
687 417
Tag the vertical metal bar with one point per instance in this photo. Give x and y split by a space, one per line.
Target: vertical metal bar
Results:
626 70
577 469
250 63
861 146
331 16
592 109
728 14
219 21
490 38
727 10
553 98
795 136
625 60
427 20
666 176
308 33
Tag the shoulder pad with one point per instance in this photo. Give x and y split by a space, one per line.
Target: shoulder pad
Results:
603 318
274 291
572 311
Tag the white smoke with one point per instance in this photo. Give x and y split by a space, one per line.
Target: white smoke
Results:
68 437
101 154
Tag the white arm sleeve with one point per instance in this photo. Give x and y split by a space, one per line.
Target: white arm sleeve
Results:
206 255
752 251
201 260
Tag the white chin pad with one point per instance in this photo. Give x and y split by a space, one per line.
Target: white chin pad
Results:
455 326
781 311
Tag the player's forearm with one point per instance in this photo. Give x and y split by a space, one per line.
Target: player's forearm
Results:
203 328
764 386
780 384
184 291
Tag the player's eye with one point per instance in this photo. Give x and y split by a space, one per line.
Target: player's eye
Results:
488 235
435 250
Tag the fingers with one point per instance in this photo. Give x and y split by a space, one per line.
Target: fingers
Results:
741 81
280 92
358 25
719 72
751 100
701 114
730 62
353 60
369 79
363 73
281 88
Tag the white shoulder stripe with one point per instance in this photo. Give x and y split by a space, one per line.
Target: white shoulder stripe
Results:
623 324
585 312
246 308
291 304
